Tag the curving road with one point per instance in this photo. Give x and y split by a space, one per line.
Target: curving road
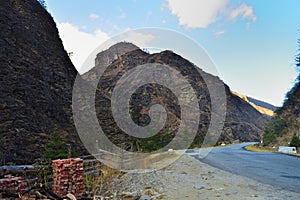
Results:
271 168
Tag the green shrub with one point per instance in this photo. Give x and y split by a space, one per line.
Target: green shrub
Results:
55 148
295 141
268 139
277 127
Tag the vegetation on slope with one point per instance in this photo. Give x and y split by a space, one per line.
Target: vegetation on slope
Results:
285 125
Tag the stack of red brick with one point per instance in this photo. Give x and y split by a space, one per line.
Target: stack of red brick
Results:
13 184
68 176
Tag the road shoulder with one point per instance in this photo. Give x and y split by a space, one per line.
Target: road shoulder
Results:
188 178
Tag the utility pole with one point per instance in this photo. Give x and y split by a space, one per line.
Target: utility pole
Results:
69 146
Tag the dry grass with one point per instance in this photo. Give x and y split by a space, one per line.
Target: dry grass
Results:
293 154
100 183
160 160
256 148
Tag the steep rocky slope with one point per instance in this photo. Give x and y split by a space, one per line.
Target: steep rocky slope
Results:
36 80
243 122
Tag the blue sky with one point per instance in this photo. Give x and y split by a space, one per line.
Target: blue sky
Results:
252 42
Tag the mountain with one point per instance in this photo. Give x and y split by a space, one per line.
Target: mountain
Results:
36 87
243 122
36 80
261 106
280 130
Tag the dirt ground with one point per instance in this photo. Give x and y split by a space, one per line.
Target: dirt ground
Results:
188 178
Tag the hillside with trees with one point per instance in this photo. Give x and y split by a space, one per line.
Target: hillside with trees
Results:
285 126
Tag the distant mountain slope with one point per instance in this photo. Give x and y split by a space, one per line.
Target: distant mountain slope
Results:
263 104
262 107
36 80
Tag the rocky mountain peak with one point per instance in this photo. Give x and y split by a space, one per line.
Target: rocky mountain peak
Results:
114 52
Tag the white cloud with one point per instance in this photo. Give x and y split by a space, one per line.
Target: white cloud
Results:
219 33
80 43
93 16
197 13
164 6
85 46
202 13
138 38
246 12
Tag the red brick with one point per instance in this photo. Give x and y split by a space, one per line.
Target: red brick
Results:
13 184
68 176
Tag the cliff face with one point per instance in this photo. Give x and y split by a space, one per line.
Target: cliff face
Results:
36 80
243 122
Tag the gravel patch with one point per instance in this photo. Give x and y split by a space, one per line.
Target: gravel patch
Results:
188 178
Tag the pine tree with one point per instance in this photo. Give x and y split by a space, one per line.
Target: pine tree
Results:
43 3
295 142
56 148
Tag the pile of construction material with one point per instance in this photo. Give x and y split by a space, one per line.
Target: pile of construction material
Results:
16 185
68 177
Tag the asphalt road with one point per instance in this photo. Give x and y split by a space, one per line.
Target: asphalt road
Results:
271 168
